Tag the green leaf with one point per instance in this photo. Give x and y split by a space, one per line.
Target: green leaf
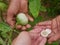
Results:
3 6
34 7
4 27
2 41
4 35
54 43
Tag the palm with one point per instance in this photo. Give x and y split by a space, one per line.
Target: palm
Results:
37 39
30 38
17 6
51 25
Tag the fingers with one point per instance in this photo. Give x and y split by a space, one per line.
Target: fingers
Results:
12 10
34 36
24 6
10 20
22 39
42 27
58 22
54 26
52 34
36 42
36 30
24 9
23 28
20 27
43 41
28 26
48 27
44 23
30 18
54 38
35 33
14 6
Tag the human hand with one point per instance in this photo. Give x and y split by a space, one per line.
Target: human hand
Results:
32 37
22 39
15 7
37 39
54 25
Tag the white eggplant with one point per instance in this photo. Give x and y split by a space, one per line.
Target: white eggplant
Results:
22 19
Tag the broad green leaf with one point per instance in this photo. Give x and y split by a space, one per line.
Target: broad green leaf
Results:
34 7
4 27
3 6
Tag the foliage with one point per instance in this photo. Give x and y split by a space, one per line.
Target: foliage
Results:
54 43
35 7
3 6
4 35
4 27
53 7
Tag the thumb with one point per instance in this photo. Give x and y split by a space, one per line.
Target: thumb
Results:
22 39
10 20
43 41
30 18
54 38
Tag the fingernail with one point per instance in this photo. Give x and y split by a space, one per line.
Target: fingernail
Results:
28 26
23 28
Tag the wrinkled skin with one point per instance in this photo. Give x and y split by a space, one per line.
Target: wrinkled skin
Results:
30 38
54 25
22 39
15 7
35 37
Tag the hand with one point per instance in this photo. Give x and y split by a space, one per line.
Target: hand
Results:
37 39
32 37
54 25
22 39
15 7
